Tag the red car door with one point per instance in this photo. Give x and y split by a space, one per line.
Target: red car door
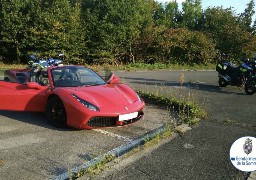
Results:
22 97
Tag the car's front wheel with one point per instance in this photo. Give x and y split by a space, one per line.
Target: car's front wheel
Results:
56 112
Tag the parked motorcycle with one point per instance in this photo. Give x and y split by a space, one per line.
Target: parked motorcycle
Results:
38 64
35 62
250 84
230 74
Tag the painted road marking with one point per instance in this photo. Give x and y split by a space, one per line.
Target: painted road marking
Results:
113 135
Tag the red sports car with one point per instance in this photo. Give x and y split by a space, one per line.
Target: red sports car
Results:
72 96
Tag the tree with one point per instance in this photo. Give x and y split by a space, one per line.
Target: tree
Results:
173 15
185 46
219 23
56 27
13 22
111 27
245 18
192 12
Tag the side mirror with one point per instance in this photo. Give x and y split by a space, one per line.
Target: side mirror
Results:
113 79
34 85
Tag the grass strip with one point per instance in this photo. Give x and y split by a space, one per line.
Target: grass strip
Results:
188 110
128 67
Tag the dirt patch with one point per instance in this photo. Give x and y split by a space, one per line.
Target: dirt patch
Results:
2 163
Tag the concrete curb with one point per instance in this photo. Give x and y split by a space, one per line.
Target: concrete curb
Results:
117 152
121 150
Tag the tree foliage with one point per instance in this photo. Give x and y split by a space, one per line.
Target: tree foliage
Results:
123 31
182 45
246 17
231 38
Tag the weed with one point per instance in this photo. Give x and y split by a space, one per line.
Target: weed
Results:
158 138
229 121
152 141
182 79
95 169
187 110
1 163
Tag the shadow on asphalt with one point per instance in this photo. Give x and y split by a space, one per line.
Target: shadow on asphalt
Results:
191 85
38 119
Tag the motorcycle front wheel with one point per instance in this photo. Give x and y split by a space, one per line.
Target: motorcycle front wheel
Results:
249 88
222 82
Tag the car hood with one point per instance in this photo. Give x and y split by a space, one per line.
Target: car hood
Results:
110 95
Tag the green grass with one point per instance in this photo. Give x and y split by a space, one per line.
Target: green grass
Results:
128 67
161 66
156 66
187 110
4 67
93 170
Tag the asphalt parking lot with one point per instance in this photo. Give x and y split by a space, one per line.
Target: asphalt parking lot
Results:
203 152
32 149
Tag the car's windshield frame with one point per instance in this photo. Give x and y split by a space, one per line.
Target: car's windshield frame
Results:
75 76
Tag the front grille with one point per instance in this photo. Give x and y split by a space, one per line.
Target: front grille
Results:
102 121
112 121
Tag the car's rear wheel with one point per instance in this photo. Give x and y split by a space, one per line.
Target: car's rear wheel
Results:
56 112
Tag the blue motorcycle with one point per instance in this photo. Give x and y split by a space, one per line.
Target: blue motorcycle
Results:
35 62
230 74
38 64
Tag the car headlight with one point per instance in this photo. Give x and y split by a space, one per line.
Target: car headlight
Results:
86 104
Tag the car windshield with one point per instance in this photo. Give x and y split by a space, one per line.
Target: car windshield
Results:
74 76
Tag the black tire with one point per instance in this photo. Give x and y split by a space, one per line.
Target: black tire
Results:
222 82
56 112
249 88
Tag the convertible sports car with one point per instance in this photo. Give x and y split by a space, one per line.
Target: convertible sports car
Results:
72 96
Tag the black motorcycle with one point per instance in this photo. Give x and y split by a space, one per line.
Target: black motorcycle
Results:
250 84
230 74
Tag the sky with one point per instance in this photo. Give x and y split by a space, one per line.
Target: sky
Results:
238 5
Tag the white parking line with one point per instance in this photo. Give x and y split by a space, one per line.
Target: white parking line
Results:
113 135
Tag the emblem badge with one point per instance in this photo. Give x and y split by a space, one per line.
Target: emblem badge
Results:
247 146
